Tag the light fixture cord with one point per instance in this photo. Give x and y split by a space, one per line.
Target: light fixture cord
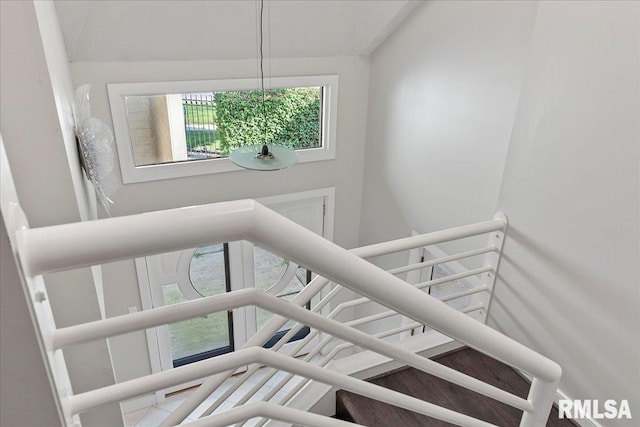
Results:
264 106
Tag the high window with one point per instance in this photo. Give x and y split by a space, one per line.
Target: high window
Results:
172 129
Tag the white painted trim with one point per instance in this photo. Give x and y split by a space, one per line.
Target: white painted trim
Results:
325 194
131 173
237 275
329 194
137 403
151 334
248 274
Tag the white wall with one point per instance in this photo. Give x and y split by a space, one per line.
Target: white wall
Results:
569 285
447 103
64 97
31 127
36 97
344 173
442 96
443 93
23 376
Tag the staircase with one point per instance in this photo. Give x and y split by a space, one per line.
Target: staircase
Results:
411 315
361 410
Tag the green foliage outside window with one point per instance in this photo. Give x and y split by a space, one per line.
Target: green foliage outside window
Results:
292 117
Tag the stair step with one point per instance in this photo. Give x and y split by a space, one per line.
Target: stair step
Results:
361 410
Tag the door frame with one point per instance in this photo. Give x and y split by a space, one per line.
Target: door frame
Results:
237 273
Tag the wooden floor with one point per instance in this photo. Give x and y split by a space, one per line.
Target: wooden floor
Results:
361 410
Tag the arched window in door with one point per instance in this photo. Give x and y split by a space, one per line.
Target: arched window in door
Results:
203 337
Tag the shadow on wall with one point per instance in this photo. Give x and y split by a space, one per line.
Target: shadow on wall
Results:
550 300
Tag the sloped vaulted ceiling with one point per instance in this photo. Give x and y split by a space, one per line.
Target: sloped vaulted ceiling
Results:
192 30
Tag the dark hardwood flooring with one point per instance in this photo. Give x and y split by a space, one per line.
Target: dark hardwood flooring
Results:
372 413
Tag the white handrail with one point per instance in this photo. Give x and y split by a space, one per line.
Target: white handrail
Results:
258 339
270 411
314 352
112 239
341 307
276 322
325 361
74 245
90 399
118 325
443 260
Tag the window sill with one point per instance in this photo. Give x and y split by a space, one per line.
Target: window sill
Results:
209 166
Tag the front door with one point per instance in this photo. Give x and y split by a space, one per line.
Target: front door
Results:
215 269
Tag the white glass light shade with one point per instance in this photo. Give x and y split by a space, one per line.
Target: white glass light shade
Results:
247 157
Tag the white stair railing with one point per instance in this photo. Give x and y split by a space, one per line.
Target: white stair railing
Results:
494 247
68 246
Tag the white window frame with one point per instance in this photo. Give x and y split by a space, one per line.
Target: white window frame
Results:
132 173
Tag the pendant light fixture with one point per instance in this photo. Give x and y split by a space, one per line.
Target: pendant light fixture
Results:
265 156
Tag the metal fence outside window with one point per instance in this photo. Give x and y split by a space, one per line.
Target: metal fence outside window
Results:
203 140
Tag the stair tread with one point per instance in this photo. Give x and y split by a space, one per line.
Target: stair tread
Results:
369 412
